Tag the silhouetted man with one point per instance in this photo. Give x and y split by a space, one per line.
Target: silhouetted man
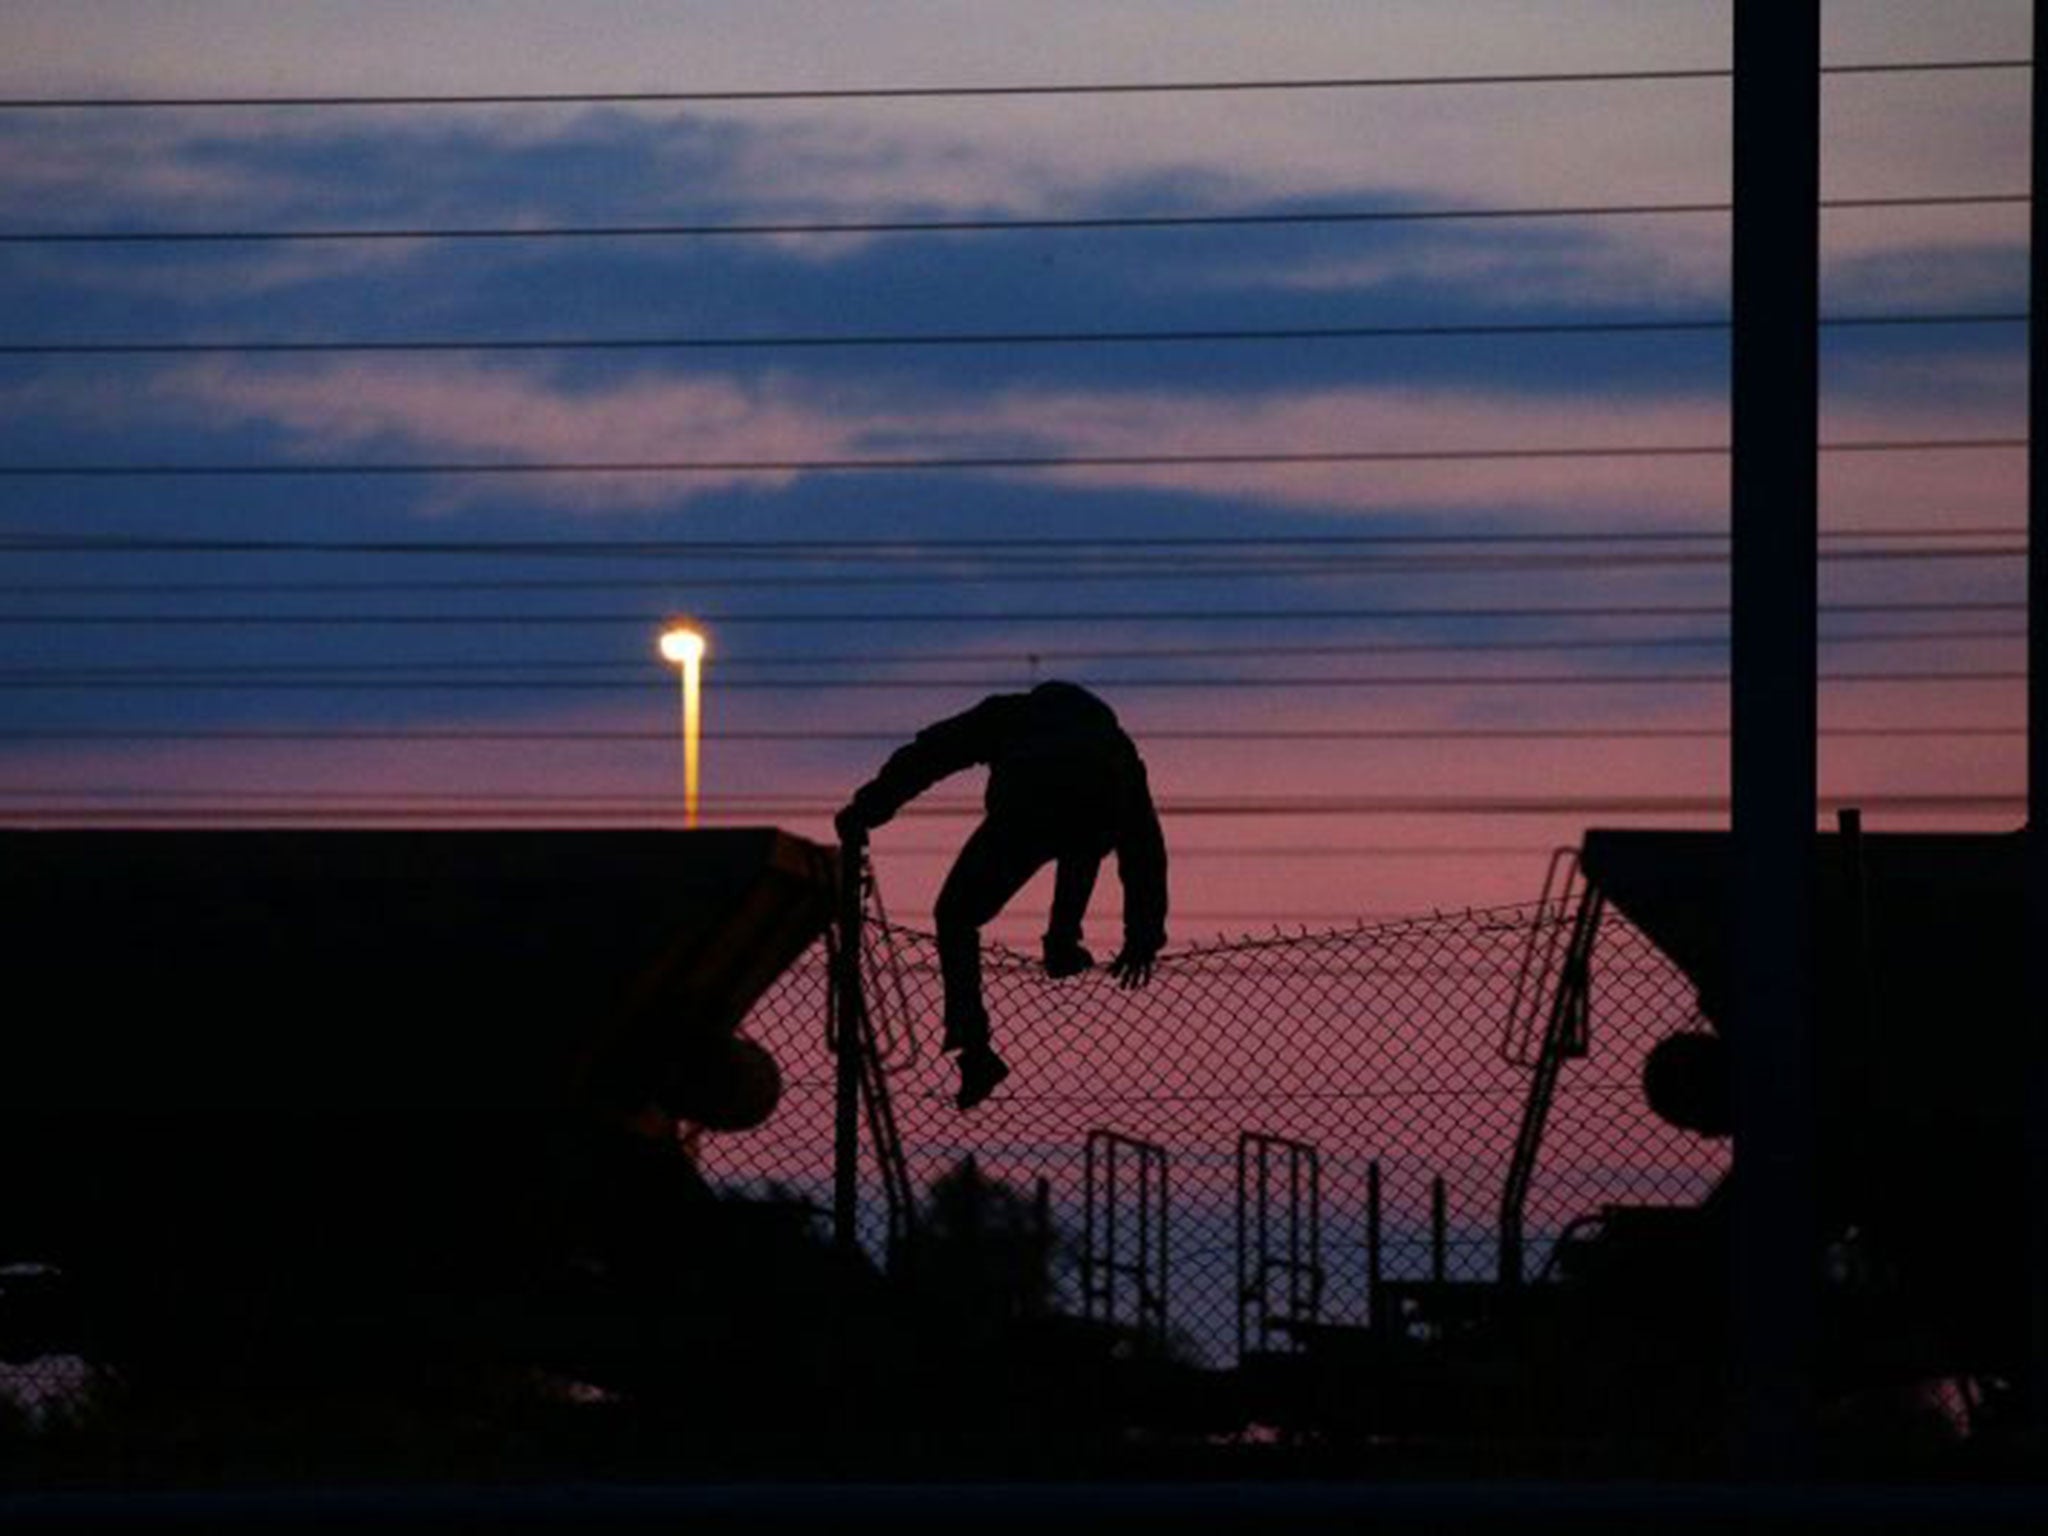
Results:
1066 786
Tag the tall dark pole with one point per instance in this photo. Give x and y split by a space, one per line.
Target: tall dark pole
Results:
2036 1019
1774 769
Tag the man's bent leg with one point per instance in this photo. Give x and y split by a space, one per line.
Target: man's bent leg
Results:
992 867
966 1017
1072 886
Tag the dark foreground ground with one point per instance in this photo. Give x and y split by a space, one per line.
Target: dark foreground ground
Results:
1187 1505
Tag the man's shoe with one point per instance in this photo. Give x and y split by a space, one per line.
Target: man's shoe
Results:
980 1071
1064 960
956 1038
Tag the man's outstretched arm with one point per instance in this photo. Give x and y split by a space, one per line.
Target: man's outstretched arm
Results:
1141 867
937 751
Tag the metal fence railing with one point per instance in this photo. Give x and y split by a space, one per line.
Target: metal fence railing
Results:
1376 1050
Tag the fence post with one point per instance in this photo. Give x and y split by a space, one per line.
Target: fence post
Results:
1439 1234
848 1006
1088 1228
1374 1318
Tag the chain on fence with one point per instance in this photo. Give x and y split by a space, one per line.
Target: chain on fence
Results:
1298 1083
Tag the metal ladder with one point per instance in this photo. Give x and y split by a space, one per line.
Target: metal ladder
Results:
1557 972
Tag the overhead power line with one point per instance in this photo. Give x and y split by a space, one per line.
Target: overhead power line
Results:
249 801
33 541
1051 570
873 341
766 96
962 463
433 736
653 815
1208 683
524 667
1013 224
919 616
1926 66
798 94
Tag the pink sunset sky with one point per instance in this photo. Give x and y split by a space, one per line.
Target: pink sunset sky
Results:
1340 719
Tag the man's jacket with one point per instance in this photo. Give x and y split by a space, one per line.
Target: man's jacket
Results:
1060 769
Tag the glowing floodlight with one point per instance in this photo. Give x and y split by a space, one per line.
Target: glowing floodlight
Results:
683 647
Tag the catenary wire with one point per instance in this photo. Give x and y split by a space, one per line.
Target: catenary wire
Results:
249 800
862 341
440 736
791 617
1291 682
967 463
30 541
956 226
1149 570
529 666
800 94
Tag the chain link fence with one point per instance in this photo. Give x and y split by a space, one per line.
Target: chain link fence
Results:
1296 1083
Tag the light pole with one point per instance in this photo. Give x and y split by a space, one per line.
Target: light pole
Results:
682 646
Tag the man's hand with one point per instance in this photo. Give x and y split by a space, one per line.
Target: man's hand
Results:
1133 967
1064 960
851 826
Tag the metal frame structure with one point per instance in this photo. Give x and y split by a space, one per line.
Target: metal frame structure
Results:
1107 1258
1300 1264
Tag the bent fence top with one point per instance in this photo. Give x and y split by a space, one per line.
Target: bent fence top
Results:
1386 1050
